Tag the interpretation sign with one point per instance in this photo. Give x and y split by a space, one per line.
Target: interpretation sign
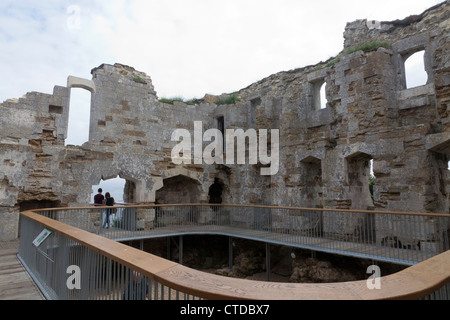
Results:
41 237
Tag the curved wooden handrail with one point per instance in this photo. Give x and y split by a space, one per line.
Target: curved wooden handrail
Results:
414 282
259 206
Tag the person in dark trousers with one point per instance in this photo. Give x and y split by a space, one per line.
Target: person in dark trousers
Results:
108 201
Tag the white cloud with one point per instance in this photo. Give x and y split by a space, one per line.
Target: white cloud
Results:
188 47
193 47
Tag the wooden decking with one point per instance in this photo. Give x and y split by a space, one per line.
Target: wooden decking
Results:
15 282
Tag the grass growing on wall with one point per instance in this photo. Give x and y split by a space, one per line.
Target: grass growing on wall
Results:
231 99
366 47
139 80
180 99
193 101
171 100
228 100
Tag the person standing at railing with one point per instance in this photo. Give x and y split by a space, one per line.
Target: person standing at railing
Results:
108 201
215 193
98 198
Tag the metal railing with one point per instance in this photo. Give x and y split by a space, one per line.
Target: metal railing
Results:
396 237
56 266
114 271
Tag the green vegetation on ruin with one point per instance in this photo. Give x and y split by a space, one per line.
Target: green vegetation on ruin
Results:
366 47
228 100
171 100
139 80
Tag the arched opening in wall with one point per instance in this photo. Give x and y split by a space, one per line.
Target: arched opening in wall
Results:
116 188
360 180
38 204
220 121
311 191
179 189
360 192
215 192
440 166
372 179
319 94
254 105
129 192
26 205
79 117
323 96
311 194
415 74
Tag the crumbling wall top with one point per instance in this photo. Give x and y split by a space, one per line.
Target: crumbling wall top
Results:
122 71
363 31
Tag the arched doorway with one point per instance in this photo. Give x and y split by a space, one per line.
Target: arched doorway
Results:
179 189
215 191
115 186
311 183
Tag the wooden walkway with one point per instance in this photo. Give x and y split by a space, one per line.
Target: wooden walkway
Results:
15 282
360 250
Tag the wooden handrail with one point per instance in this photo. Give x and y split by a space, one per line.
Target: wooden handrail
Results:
256 206
414 282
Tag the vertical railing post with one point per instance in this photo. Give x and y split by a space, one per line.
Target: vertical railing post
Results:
268 261
180 250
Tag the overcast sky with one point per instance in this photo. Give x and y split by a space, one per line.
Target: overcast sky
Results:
188 47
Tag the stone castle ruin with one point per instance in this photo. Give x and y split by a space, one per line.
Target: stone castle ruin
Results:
370 119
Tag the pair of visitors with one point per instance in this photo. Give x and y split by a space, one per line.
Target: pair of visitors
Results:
106 200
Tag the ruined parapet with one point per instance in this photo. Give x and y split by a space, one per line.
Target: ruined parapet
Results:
30 127
36 119
123 102
363 31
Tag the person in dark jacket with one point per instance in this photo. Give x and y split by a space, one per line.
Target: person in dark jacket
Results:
108 201
99 197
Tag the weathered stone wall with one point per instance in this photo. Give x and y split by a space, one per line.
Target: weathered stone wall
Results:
324 153
370 115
